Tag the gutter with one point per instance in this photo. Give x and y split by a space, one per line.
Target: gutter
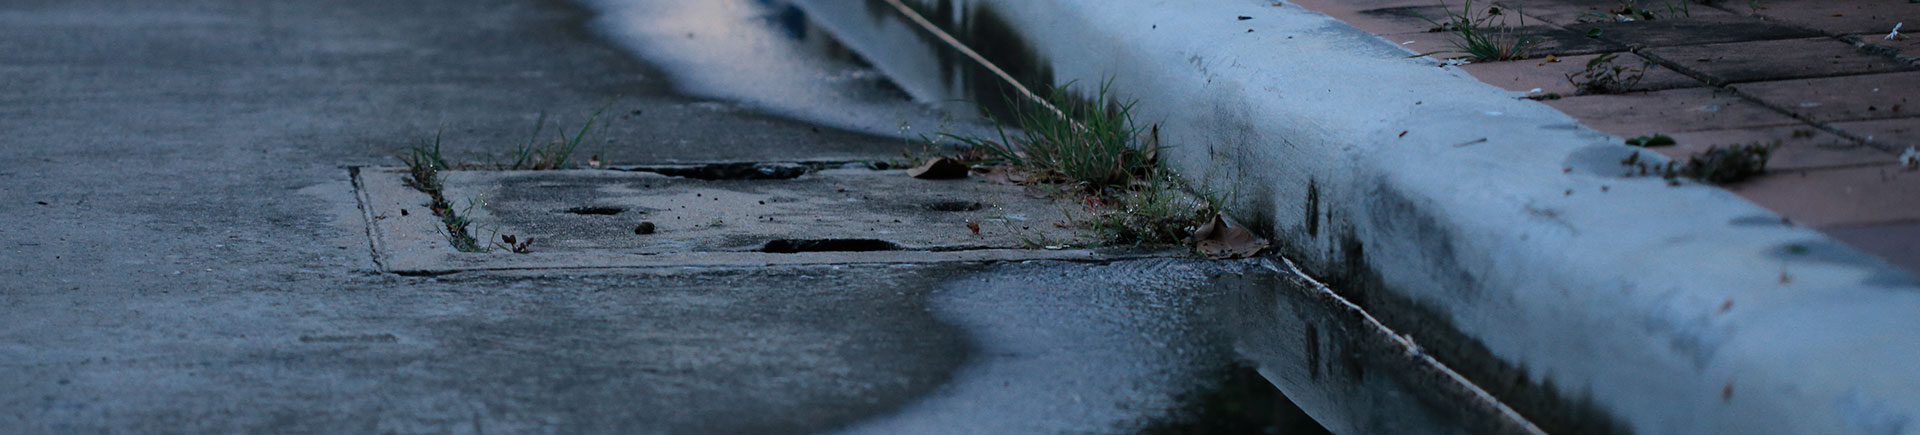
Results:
1496 234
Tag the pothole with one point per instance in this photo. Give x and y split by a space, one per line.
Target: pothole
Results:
595 211
792 246
954 206
732 171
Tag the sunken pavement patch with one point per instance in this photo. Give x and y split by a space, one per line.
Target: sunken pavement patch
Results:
614 219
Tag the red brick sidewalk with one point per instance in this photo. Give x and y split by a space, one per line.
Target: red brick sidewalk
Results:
1819 78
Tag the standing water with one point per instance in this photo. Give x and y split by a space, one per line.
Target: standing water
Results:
768 55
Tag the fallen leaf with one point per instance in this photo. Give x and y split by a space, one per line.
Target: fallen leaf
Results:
1219 239
973 226
1001 174
940 168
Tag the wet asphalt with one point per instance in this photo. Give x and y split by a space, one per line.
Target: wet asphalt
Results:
182 251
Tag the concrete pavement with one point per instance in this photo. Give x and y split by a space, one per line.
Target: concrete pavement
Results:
182 252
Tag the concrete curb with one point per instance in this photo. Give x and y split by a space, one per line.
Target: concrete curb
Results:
1497 232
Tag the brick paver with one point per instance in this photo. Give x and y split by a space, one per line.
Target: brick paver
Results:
1850 98
1817 78
1690 31
1670 111
1892 135
1852 196
1753 61
1801 147
1550 76
1842 16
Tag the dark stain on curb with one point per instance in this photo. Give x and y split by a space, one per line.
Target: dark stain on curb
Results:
1542 403
1313 208
350 338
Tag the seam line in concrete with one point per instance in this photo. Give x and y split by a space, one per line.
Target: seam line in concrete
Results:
984 260
366 218
1407 345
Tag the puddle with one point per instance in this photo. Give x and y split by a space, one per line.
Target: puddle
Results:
794 246
1240 401
767 54
925 66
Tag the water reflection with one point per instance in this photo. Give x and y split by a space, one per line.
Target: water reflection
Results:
767 54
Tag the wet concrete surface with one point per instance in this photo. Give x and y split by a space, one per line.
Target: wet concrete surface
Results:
182 249
1117 348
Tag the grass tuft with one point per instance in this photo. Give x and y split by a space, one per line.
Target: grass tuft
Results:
424 163
457 225
1093 149
1732 164
1603 76
1160 211
1484 38
553 153
1092 143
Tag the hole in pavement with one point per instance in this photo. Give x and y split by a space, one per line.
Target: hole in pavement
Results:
597 211
790 246
955 206
731 171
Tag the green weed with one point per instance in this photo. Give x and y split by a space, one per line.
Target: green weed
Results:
539 154
1603 76
1159 211
1717 165
1727 165
424 163
1655 140
1093 144
425 160
457 225
1091 149
1484 38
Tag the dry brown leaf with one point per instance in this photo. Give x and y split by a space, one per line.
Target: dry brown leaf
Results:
940 168
1219 239
1001 174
